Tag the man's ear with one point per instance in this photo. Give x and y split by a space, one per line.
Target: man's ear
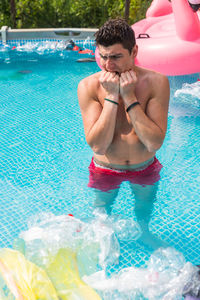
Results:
135 51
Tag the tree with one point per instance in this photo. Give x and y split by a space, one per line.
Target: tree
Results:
5 13
127 7
68 13
13 12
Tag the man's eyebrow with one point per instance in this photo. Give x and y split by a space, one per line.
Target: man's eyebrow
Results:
111 55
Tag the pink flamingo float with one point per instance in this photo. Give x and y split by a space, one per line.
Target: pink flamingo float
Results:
169 38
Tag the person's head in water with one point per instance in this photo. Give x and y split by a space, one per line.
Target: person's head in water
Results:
70 45
116 31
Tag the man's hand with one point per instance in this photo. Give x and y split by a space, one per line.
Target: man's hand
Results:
128 81
110 82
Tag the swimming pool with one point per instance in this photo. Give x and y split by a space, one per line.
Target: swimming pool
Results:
44 156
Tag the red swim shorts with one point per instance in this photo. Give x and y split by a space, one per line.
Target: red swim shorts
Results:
110 179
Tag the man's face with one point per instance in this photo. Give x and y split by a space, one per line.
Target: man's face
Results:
116 59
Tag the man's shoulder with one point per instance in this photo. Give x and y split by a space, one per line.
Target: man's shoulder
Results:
151 74
88 87
159 80
90 81
155 79
154 83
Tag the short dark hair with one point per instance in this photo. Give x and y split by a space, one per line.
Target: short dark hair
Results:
116 31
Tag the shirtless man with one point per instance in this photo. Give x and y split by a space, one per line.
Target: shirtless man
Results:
124 109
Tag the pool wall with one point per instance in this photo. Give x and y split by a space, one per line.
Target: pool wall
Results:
8 34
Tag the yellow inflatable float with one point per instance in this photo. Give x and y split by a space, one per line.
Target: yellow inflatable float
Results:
21 279
66 279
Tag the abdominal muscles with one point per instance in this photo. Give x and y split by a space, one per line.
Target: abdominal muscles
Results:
125 149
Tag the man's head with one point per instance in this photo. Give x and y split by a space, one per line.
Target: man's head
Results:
116 46
116 31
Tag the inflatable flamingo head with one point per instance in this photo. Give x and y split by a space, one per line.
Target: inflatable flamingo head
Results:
159 8
195 4
164 7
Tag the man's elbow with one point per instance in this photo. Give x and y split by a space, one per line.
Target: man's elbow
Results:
99 150
154 146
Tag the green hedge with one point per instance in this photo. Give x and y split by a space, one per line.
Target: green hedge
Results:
67 13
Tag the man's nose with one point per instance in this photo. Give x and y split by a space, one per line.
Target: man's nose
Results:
109 61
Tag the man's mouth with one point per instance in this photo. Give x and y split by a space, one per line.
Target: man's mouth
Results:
113 71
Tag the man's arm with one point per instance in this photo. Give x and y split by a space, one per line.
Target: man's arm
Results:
99 122
151 125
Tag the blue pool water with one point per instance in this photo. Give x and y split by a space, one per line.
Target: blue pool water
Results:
44 157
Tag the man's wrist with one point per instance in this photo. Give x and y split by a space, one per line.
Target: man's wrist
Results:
111 101
113 97
129 100
129 107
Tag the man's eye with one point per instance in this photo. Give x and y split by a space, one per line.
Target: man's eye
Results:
114 57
